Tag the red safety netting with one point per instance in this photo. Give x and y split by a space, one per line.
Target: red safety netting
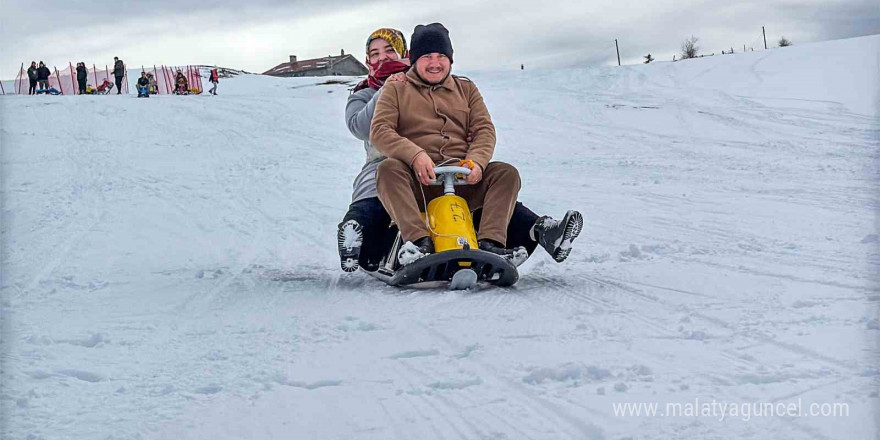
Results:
57 81
164 79
64 79
97 76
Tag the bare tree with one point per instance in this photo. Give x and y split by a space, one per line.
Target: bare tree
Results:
783 42
689 48
648 58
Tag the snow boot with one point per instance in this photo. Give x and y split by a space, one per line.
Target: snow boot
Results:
556 235
412 251
516 256
350 237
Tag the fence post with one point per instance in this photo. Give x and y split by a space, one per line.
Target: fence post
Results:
18 80
618 52
155 73
169 76
57 78
765 37
73 78
165 77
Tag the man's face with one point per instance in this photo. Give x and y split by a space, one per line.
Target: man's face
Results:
381 50
433 67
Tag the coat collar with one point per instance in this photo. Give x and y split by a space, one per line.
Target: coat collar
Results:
413 77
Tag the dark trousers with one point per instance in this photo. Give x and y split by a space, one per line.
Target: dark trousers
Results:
379 237
378 234
33 89
82 86
119 84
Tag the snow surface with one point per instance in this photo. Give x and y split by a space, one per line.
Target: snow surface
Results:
170 268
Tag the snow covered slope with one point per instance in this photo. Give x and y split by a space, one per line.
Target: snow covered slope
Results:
169 267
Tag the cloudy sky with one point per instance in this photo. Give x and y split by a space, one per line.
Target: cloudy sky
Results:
494 34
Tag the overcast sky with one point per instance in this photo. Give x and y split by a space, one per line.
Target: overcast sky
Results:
256 35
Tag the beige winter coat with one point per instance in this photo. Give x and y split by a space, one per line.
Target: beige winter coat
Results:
413 116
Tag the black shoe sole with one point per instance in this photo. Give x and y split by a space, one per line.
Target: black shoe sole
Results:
573 226
348 259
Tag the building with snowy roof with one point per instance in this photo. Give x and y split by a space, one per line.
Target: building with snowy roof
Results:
340 65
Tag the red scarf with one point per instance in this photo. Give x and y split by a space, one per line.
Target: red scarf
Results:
380 72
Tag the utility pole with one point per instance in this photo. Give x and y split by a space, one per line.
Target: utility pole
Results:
765 37
618 52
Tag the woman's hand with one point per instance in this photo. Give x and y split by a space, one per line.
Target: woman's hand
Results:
397 77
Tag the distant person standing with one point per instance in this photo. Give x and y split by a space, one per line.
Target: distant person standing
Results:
82 74
215 78
32 78
43 74
118 73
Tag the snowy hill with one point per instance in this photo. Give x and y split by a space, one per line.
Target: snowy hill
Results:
170 272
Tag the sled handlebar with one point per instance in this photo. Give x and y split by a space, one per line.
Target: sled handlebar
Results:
452 170
446 176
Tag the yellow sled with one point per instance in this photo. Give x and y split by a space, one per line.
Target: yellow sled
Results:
457 259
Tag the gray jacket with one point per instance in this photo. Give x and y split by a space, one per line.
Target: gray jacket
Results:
358 116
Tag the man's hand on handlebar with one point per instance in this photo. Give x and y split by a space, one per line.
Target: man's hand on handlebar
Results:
476 172
423 166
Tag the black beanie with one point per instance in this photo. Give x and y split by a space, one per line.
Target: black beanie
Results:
429 39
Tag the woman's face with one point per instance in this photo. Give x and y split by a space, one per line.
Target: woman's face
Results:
381 51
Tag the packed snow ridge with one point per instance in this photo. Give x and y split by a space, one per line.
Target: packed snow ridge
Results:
170 270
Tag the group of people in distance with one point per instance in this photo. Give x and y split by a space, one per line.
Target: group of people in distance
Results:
146 83
412 114
39 75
